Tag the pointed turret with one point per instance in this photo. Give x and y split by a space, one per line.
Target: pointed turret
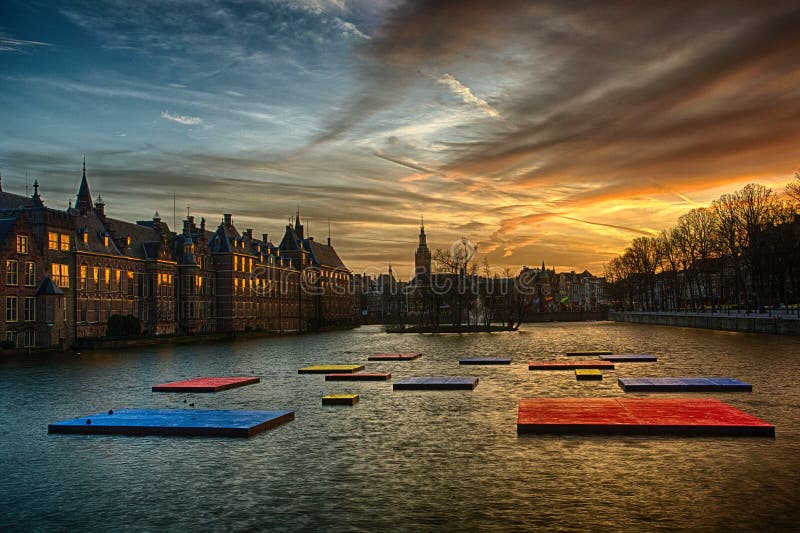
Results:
422 257
298 227
84 202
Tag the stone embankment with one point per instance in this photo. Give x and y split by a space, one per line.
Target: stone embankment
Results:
778 323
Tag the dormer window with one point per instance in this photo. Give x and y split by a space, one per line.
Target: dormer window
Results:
85 236
128 241
105 240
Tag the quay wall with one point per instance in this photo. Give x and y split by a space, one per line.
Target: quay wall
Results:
748 324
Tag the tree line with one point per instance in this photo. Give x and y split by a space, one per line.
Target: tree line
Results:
741 252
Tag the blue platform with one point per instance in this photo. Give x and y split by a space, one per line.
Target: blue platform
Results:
701 384
175 422
630 358
437 383
485 361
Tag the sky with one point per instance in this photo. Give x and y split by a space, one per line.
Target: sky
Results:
552 131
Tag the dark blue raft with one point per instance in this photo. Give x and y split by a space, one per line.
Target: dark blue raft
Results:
437 383
701 384
193 422
630 358
485 361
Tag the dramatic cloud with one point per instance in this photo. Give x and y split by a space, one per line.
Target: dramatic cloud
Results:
182 119
466 95
543 130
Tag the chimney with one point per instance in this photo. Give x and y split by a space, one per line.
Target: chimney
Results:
100 208
227 219
265 237
249 233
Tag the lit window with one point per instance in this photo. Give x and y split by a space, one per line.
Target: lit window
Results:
30 274
85 237
107 277
64 242
11 308
52 240
60 275
96 276
12 272
105 240
22 244
84 276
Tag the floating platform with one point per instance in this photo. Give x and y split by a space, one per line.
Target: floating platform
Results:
437 383
590 352
570 365
340 399
485 361
629 416
361 376
629 358
205 384
191 422
393 357
683 384
331 369
588 374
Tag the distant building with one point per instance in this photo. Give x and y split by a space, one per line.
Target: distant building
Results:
68 272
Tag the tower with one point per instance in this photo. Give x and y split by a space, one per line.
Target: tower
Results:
422 257
84 201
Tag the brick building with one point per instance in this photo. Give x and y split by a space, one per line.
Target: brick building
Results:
66 273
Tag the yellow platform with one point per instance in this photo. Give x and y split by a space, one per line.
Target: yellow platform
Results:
588 373
330 369
340 399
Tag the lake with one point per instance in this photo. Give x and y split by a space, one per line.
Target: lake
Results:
399 460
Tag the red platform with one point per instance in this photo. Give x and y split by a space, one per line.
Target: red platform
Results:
637 416
570 365
205 384
393 357
360 376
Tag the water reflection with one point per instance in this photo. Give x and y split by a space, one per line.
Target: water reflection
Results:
410 460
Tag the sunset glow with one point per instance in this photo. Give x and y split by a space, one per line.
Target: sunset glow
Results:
543 131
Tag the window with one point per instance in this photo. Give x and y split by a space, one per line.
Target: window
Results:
12 272
11 337
29 309
22 244
96 277
85 237
107 278
11 308
105 240
130 284
30 274
84 277
118 280
235 262
60 275
58 241
29 339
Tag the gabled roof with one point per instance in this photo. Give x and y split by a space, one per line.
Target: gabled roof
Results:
323 254
291 241
47 287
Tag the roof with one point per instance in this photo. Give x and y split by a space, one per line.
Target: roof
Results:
323 254
47 287
14 201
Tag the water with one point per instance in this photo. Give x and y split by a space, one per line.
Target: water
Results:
405 460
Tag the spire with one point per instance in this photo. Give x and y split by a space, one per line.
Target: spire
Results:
84 201
423 240
542 265
298 227
390 268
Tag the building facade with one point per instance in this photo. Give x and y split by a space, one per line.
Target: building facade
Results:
77 274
